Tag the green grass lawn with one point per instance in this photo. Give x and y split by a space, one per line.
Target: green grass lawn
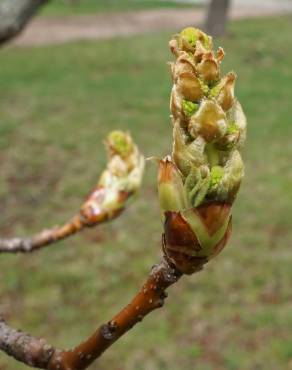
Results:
63 7
57 103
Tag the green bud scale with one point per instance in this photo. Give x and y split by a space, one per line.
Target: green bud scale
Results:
199 182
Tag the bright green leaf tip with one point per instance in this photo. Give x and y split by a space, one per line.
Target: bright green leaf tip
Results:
215 91
120 142
232 128
189 107
205 88
216 175
191 34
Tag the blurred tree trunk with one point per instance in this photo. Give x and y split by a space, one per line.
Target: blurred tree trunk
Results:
217 17
14 15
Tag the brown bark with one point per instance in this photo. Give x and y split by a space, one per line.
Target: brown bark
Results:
14 16
23 347
149 298
217 17
37 353
42 239
85 218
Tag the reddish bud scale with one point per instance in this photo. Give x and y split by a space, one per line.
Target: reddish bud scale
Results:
93 211
182 246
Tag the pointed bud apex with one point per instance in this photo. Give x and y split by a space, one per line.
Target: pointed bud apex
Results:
173 45
189 36
220 55
119 143
226 94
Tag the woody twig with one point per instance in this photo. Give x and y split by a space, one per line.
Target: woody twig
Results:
119 181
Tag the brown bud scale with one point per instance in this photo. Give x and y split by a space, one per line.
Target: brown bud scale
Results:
181 245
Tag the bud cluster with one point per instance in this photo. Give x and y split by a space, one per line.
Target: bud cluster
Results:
199 182
121 178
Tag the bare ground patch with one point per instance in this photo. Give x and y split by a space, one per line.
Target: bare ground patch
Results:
54 30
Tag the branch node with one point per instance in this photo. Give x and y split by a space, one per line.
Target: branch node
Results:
108 330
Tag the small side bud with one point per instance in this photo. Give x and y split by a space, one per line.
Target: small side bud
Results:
121 179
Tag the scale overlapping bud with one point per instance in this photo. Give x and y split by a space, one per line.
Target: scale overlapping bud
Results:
118 182
199 182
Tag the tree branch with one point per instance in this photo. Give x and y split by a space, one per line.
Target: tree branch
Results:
42 239
25 348
37 353
15 14
120 180
149 298
217 17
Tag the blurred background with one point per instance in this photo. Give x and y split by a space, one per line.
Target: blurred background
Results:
81 68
